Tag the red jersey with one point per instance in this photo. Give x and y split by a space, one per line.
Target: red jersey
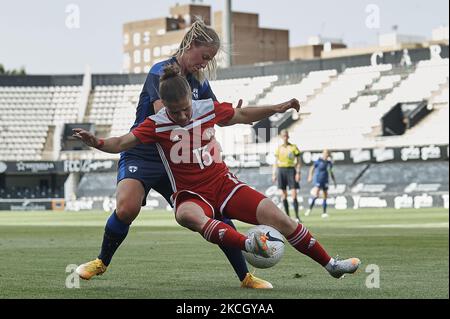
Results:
191 155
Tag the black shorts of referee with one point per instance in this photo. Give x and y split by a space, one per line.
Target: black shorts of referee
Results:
286 177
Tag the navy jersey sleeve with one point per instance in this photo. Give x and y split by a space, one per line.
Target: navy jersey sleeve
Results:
206 92
151 87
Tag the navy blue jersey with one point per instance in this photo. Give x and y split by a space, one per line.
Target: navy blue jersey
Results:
150 94
321 170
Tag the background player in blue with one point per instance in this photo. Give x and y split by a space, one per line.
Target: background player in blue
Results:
320 171
141 169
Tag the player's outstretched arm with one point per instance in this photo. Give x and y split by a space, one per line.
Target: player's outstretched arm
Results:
250 114
332 177
298 169
310 175
274 172
109 145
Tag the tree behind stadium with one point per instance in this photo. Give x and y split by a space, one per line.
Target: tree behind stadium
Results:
3 71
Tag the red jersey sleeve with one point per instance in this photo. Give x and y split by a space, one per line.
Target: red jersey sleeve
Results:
146 132
224 112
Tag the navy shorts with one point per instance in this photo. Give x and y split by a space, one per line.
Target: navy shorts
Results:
321 185
151 173
286 177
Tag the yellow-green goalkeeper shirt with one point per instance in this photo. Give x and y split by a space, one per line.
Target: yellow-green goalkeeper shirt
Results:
286 155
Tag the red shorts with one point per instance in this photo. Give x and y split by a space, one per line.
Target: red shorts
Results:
227 197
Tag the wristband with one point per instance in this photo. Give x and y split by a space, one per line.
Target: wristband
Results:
100 143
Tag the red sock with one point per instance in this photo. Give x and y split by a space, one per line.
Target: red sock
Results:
220 233
304 242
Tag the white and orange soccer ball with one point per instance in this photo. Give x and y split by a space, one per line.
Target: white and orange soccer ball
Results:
275 242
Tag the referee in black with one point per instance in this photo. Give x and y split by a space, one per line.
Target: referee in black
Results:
286 171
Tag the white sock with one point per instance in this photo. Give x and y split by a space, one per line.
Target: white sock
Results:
330 264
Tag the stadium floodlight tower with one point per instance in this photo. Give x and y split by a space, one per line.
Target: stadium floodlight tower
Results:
227 33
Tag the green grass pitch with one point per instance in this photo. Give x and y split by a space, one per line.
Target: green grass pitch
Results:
160 259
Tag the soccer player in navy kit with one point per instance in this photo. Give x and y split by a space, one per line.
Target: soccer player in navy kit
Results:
141 169
320 171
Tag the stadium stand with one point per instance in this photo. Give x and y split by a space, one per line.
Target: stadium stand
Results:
341 109
377 185
114 106
307 87
331 122
330 104
246 89
27 114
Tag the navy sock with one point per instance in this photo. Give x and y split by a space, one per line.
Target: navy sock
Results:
324 205
296 208
312 203
286 206
235 256
115 233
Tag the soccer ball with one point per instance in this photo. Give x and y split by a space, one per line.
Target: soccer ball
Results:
275 242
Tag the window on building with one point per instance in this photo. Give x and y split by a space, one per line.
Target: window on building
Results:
146 38
174 48
137 56
165 50
137 39
126 39
156 51
147 55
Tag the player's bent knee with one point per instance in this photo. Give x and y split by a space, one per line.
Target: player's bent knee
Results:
181 217
127 211
269 214
190 216
130 194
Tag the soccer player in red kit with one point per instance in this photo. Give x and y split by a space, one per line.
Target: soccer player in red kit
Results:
205 190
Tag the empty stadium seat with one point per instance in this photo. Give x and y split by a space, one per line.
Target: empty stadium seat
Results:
26 114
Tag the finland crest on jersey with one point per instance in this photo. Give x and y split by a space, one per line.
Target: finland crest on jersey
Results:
195 94
132 169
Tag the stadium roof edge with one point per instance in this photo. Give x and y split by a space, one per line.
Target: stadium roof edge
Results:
275 68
